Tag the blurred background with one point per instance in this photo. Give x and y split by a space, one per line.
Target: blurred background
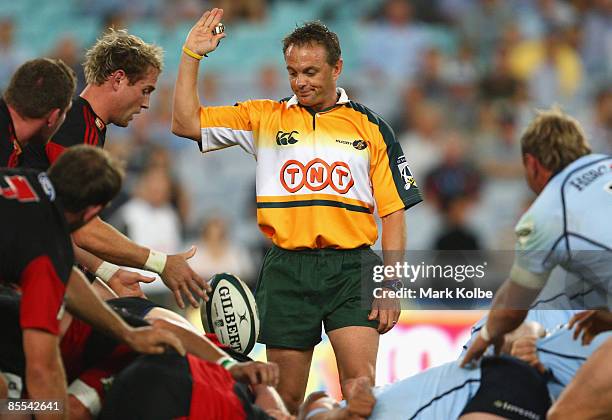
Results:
458 80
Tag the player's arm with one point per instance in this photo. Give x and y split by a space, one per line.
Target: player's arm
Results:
45 378
393 243
250 372
508 311
186 108
106 242
83 302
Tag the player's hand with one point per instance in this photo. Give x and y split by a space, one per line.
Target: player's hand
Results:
478 348
181 279
201 39
255 373
360 400
387 311
153 340
127 283
590 323
525 349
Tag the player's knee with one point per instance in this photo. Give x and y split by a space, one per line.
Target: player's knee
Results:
292 399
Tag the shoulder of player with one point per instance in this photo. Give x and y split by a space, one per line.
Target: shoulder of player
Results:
374 119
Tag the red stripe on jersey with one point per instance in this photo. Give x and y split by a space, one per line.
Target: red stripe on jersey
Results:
96 135
88 127
53 151
72 347
212 393
42 295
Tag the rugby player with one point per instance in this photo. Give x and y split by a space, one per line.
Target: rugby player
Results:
92 359
563 227
520 386
121 72
324 163
26 116
38 213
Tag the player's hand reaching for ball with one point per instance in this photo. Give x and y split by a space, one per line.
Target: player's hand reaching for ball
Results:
179 277
201 38
152 340
255 373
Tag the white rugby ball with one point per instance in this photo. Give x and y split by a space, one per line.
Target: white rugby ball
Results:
231 313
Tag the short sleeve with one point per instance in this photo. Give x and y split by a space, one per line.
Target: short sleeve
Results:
225 126
393 185
536 251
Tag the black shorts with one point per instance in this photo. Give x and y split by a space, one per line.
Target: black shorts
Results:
134 305
12 359
510 388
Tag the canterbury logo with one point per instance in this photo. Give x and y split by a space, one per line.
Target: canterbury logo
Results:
316 175
283 139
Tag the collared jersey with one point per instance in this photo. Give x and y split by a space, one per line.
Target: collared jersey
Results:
10 152
319 174
82 126
568 225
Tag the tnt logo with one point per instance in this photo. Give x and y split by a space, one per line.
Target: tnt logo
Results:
316 175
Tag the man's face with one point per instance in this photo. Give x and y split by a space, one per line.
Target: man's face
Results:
311 77
132 98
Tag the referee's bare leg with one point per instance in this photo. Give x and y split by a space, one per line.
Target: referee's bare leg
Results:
294 366
589 395
355 348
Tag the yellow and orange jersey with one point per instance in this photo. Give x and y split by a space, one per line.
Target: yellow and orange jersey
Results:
319 174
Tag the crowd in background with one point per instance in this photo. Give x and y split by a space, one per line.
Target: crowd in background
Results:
456 79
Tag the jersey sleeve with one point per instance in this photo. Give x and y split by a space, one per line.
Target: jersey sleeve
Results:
393 185
44 267
42 296
225 126
536 250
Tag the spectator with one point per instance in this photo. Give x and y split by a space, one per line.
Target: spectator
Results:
12 56
149 218
392 47
218 254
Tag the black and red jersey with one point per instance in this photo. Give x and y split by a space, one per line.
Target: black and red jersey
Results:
35 247
82 126
10 152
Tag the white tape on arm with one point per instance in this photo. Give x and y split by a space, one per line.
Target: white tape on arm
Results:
87 395
106 271
156 262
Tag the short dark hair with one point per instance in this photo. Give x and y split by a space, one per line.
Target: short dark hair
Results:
40 86
315 32
85 176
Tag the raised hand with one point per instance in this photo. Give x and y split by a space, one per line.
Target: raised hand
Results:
201 39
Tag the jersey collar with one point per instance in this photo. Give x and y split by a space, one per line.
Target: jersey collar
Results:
343 99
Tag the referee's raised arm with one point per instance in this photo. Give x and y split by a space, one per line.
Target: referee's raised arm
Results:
200 41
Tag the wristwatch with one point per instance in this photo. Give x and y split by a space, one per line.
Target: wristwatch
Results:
396 285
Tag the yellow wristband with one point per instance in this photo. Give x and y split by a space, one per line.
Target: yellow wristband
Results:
192 54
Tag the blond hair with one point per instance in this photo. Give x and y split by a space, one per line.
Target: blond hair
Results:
555 139
118 50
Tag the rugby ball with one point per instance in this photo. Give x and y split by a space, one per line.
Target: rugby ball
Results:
231 313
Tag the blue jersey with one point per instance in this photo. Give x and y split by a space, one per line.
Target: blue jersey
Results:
443 392
568 226
563 356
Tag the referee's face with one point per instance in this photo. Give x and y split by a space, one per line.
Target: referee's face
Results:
312 78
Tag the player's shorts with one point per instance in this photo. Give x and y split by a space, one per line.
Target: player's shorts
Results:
510 388
299 290
12 360
134 305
